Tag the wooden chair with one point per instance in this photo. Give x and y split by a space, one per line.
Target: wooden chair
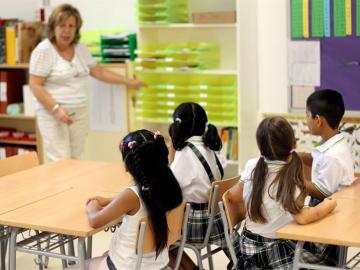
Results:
232 215
18 163
218 188
177 231
9 166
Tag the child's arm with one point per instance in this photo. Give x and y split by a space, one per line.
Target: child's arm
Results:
236 193
313 191
101 200
311 214
125 202
306 158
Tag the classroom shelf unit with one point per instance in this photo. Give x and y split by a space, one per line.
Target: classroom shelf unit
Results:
21 123
215 88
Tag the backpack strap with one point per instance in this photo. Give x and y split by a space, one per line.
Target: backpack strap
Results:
205 163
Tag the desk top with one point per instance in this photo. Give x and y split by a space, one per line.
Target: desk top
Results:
341 227
52 197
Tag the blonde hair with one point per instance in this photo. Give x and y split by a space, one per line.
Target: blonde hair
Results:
58 16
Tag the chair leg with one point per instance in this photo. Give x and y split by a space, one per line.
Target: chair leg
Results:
62 251
210 258
71 251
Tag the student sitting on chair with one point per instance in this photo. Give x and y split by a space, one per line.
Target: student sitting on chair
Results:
332 165
155 192
274 191
195 166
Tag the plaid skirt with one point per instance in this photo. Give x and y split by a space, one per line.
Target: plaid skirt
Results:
258 252
197 226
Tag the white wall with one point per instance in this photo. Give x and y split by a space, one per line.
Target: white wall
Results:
96 14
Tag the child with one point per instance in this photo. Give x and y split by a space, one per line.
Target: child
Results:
155 192
274 191
195 166
331 161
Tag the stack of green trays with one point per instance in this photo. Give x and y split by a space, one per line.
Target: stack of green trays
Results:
163 11
164 92
118 48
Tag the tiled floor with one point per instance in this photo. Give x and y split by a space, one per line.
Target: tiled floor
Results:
100 244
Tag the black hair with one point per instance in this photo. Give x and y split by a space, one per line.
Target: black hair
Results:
327 103
275 138
146 157
190 119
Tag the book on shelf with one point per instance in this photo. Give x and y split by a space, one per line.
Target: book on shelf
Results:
229 138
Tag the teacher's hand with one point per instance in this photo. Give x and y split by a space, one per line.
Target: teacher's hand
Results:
62 115
135 84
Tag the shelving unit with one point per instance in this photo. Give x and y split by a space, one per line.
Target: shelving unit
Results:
21 123
224 35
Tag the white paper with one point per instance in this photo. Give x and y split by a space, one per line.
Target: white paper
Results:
299 94
29 101
107 106
304 63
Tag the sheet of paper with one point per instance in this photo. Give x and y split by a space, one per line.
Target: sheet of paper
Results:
107 106
296 19
317 18
306 18
339 18
304 63
327 27
299 94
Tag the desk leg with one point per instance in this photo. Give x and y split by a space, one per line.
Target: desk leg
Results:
297 255
89 248
12 249
342 256
71 251
81 253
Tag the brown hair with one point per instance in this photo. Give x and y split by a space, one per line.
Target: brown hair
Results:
59 15
275 138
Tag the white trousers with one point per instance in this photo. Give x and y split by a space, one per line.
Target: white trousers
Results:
63 141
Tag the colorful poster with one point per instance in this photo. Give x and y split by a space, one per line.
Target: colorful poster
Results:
296 19
339 18
348 12
327 27
305 6
317 18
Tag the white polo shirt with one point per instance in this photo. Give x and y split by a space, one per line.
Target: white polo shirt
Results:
333 165
65 80
190 173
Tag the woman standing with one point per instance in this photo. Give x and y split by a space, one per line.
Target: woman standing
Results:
59 70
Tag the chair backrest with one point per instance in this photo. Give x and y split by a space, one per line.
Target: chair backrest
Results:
235 213
222 187
174 218
18 163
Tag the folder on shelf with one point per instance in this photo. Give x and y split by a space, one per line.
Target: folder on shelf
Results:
29 104
11 82
10 44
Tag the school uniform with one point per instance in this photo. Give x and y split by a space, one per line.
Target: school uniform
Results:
260 249
333 165
195 183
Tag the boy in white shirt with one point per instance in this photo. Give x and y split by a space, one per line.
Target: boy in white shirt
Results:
332 165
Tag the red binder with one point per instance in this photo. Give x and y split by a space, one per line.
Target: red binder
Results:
11 83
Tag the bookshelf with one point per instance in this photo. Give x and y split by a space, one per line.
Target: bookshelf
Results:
163 101
21 123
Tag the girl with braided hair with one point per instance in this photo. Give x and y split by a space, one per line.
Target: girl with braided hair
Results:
155 192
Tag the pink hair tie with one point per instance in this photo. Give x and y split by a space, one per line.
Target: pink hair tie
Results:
143 188
131 144
292 151
156 134
262 156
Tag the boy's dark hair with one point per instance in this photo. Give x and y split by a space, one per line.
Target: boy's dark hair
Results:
146 157
190 119
275 138
327 103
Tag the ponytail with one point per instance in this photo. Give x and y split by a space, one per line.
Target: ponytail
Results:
211 138
255 201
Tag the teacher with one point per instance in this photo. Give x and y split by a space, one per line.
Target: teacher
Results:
59 71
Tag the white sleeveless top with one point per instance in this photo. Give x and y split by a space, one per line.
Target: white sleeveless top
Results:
122 246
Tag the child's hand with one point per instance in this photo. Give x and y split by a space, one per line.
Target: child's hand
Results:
330 203
93 205
101 200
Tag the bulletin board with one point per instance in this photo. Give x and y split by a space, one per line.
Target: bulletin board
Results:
335 24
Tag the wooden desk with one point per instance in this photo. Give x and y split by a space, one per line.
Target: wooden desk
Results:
52 198
340 228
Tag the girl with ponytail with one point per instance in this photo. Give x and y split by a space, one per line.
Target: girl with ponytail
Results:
273 189
195 166
155 192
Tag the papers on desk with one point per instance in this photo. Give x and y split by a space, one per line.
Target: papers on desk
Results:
108 108
304 63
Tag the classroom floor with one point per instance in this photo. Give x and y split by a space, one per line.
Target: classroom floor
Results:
100 245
